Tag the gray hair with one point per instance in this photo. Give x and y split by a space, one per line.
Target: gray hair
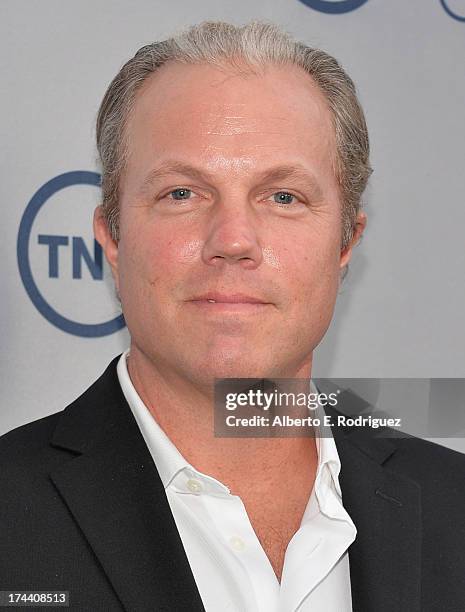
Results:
253 45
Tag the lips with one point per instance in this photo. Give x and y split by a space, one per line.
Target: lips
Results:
232 298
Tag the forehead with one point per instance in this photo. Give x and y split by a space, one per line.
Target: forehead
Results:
230 120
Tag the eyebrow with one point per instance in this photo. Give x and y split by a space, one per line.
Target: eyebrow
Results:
278 173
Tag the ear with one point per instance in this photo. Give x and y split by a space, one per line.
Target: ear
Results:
105 240
360 224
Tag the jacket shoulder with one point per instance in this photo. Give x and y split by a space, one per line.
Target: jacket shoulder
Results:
436 467
30 444
418 451
26 440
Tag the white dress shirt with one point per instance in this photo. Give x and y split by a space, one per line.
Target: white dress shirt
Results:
230 567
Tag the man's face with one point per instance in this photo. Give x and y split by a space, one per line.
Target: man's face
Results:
229 258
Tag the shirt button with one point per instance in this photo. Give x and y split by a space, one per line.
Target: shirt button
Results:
194 486
237 543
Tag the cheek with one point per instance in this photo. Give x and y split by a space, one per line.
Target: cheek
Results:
318 245
154 259
310 267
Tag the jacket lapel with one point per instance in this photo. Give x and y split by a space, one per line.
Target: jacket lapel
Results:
115 494
385 558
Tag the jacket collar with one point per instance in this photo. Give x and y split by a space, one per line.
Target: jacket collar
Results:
385 506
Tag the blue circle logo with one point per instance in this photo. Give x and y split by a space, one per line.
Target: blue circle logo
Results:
453 13
335 7
37 201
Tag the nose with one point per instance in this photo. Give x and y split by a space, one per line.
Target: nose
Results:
232 238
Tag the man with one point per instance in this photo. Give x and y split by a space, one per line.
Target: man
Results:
233 160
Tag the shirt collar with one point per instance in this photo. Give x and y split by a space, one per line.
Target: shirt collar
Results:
169 461
166 456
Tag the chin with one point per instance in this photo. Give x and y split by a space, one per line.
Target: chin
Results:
236 366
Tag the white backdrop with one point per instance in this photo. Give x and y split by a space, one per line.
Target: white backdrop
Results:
401 308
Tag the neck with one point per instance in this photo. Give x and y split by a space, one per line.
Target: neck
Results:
184 410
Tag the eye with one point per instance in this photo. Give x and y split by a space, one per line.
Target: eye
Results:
284 198
180 194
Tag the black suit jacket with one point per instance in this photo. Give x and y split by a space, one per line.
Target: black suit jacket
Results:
83 510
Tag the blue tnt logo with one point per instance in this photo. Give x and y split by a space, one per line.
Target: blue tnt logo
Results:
80 252
453 11
334 7
82 255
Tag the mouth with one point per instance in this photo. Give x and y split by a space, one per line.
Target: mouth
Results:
235 302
